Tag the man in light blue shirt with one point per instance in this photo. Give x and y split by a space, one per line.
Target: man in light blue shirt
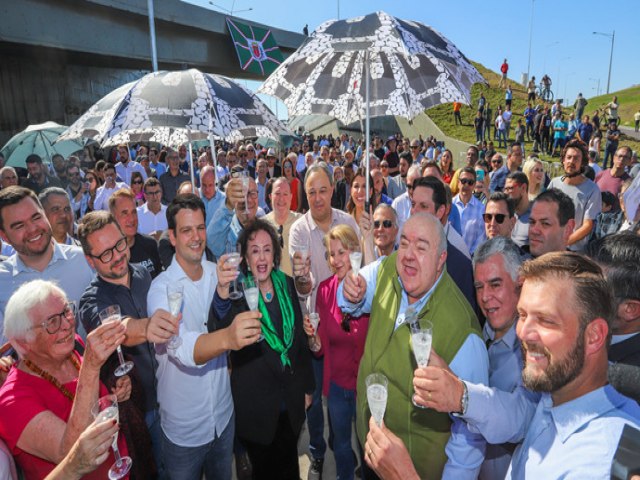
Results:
573 430
23 224
495 267
470 210
212 197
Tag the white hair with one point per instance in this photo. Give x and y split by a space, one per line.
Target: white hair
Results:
434 223
17 314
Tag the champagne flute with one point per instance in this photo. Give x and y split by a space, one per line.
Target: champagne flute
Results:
112 314
245 190
252 296
314 319
356 262
104 410
174 298
234 259
421 337
377 392
303 252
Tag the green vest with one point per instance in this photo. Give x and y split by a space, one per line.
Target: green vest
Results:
424 432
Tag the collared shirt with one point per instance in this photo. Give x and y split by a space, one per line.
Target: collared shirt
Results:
68 268
577 439
124 171
471 221
262 190
471 361
149 222
159 167
101 202
402 206
212 204
306 233
498 179
195 400
132 300
505 373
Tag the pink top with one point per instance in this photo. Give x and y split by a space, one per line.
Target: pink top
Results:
22 397
342 350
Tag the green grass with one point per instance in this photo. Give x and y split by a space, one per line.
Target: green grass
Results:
442 115
628 99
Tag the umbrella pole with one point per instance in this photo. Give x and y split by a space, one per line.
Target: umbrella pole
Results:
212 143
367 126
193 175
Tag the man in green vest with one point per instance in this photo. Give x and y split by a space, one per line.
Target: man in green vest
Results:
416 276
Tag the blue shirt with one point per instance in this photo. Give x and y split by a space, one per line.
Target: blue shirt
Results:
505 367
213 204
464 449
223 228
498 179
471 220
68 268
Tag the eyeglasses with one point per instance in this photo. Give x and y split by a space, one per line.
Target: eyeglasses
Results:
107 255
54 322
345 322
487 217
280 229
383 223
253 194
155 192
467 181
511 188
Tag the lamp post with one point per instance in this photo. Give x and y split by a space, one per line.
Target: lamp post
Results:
530 37
152 36
612 36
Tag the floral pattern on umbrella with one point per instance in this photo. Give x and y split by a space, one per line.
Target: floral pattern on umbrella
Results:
412 67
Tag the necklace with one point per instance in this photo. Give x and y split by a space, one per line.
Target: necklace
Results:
50 378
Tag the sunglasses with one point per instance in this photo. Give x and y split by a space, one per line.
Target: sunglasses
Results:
384 223
496 162
414 146
136 182
467 181
280 229
500 217
345 322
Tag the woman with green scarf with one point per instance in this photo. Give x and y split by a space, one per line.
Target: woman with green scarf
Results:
271 380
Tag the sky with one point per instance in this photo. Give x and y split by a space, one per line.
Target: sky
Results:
562 42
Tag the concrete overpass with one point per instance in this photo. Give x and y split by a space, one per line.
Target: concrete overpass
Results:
59 57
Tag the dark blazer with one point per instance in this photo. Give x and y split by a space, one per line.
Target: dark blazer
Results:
260 385
277 171
624 372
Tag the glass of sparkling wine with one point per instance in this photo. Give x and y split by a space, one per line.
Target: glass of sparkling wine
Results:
421 336
252 296
377 385
356 262
112 314
303 251
234 259
245 190
104 410
314 318
174 298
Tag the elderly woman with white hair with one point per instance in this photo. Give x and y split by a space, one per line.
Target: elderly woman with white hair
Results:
47 397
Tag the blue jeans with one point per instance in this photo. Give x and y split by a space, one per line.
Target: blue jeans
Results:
188 463
341 404
315 415
502 135
152 419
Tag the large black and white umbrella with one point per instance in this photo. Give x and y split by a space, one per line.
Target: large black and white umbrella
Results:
413 67
372 66
173 108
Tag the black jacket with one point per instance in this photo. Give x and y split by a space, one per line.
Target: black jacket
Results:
260 385
624 372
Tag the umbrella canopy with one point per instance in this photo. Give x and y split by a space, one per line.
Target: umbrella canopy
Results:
413 67
173 108
38 139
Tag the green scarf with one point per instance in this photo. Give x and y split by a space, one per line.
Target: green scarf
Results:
280 345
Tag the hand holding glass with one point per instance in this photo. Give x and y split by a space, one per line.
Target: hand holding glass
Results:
174 298
234 259
356 262
112 314
104 410
252 296
377 392
421 337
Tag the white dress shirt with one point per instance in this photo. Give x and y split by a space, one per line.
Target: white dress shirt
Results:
149 222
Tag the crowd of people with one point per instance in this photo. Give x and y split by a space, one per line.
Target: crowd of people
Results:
530 283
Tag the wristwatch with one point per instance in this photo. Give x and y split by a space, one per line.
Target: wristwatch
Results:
464 401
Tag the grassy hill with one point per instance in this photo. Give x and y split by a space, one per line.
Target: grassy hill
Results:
628 99
442 115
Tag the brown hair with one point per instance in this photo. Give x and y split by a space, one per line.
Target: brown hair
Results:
93 222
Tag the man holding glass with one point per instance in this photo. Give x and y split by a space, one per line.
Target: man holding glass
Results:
416 276
125 284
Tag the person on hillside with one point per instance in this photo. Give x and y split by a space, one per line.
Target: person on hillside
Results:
529 115
613 138
636 118
585 130
487 116
504 68
508 96
456 113
546 86
612 107
579 105
478 124
559 133
482 101
531 90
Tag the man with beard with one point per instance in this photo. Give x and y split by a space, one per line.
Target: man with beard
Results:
584 192
77 190
125 167
565 404
57 208
23 225
391 156
397 185
517 188
121 283
143 248
38 179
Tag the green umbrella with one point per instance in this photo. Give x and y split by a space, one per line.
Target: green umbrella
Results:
38 139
